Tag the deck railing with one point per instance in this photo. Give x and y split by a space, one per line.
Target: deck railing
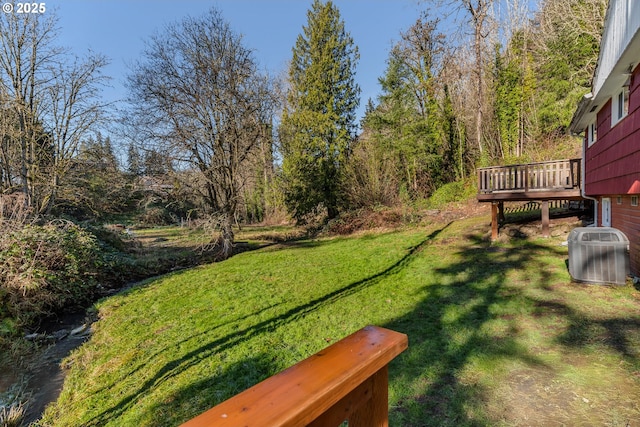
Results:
542 176
345 381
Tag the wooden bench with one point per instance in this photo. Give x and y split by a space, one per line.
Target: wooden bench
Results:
346 381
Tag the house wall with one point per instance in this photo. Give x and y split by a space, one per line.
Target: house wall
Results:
612 167
626 218
613 161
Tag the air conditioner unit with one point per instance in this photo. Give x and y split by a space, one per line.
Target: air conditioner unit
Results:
598 255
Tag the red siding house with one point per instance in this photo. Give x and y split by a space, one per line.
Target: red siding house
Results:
609 119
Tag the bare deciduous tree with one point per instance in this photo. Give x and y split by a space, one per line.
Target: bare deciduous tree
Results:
73 112
472 56
9 153
479 12
26 50
198 95
48 103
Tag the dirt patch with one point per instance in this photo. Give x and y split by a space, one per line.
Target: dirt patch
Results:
536 398
539 397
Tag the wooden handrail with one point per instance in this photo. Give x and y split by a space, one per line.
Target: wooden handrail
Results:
345 381
540 176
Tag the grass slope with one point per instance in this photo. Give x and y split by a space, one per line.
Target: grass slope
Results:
498 335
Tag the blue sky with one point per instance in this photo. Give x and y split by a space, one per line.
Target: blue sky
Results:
117 28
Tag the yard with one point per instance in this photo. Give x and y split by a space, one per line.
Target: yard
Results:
498 334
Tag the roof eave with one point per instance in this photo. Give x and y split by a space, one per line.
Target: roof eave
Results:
583 115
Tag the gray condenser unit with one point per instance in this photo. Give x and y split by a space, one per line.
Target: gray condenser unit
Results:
598 255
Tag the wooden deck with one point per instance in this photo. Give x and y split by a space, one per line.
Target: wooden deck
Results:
542 181
554 180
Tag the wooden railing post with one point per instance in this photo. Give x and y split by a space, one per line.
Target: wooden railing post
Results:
375 412
576 171
494 221
544 207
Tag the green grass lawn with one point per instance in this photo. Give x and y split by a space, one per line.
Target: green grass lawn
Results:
498 335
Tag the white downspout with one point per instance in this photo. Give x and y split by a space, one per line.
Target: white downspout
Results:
582 184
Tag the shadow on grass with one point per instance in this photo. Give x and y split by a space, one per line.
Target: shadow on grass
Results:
448 331
618 334
192 358
197 397
469 318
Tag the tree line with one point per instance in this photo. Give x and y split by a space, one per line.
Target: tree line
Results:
501 88
206 133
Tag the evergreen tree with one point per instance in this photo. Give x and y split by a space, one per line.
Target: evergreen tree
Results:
568 35
318 124
408 124
134 161
98 153
95 186
155 164
514 86
455 155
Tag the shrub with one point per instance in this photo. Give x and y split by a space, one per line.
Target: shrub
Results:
458 191
157 215
46 269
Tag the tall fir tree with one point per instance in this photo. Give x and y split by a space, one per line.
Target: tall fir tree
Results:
318 124
409 125
134 161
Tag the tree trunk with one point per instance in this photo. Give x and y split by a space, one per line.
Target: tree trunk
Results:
50 199
479 11
479 82
332 212
226 240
